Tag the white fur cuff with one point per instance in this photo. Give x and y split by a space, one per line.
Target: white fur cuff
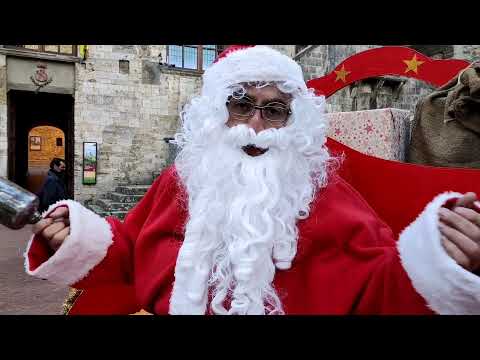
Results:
446 286
85 247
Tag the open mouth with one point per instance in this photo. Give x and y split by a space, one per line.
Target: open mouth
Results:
252 150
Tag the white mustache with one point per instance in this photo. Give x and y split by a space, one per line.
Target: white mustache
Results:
241 135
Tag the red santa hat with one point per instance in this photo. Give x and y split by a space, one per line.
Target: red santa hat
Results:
247 63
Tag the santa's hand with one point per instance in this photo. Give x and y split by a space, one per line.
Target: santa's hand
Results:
460 229
55 228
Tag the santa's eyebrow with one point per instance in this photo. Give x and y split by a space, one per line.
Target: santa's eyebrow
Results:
248 97
275 100
253 99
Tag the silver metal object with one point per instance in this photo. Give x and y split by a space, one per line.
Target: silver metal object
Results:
18 207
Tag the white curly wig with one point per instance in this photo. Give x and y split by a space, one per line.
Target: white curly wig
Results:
243 210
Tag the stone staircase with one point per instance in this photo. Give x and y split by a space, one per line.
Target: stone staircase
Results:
118 202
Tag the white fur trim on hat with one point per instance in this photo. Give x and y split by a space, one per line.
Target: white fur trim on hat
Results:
446 286
258 63
85 247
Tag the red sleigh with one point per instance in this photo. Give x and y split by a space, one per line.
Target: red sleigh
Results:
396 191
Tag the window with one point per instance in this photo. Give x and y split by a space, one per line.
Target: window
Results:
124 66
193 57
55 49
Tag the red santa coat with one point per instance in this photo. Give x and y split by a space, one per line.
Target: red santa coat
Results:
348 261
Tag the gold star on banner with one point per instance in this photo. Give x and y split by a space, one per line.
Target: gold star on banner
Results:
342 74
413 64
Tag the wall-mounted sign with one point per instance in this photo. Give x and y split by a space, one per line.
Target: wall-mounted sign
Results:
41 77
35 143
89 163
47 76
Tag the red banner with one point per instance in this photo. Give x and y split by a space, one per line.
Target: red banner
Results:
388 60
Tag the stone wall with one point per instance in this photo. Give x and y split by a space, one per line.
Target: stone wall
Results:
288 50
127 102
468 52
3 117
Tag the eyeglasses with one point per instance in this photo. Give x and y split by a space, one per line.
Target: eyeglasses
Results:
275 113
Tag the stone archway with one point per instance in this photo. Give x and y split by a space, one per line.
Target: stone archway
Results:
27 111
44 144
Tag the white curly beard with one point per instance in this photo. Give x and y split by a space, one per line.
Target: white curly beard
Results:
242 222
242 209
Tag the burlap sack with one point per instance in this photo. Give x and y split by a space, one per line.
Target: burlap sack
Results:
446 125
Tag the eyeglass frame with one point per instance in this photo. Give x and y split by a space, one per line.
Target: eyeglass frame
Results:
259 107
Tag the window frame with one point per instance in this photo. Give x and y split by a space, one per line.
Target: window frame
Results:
200 48
42 50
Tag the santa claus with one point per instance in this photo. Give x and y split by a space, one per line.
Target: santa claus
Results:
252 218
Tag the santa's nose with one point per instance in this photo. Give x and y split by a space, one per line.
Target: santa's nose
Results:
256 121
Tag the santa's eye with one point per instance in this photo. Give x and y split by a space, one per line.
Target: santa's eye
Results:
240 107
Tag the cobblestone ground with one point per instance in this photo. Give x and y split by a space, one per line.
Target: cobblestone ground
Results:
21 294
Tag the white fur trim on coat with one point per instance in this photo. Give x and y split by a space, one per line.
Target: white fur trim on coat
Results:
258 63
85 247
446 286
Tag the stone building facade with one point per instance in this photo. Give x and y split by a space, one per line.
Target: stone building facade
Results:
127 99
127 102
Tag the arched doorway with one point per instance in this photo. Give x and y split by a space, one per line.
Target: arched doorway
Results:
44 144
28 114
